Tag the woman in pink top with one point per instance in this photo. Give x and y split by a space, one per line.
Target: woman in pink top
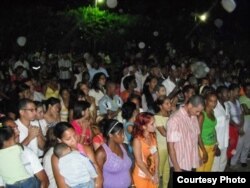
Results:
65 133
81 122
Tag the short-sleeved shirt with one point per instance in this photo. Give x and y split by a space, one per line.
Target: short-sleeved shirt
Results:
183 130
161 121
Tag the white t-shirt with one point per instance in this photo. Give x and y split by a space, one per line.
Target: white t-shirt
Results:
33 145
48 168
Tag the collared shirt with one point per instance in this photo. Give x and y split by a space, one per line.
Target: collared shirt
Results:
222 126
183 130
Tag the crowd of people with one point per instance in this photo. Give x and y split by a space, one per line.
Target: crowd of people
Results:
68 122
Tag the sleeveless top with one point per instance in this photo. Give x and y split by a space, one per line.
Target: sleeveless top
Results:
208 133
147 152
116 170
83 132
64 113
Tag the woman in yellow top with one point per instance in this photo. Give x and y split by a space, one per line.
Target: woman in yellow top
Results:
52 89
163 104
64 101
145 173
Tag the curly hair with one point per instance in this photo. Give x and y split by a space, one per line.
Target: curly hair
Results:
142 119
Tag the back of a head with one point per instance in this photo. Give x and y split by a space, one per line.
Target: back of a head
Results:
59 149
196 100
6 133
127 80
51 101
128 109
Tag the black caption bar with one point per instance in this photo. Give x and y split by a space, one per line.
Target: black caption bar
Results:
211 179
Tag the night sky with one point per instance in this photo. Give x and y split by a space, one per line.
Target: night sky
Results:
178 13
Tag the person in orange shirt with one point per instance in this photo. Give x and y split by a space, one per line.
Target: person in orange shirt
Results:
129 83
145 173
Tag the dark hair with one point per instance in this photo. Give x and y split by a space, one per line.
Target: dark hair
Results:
60 128
95 81
79 107
148 96
128 109
160 100
23 103
51 101
159 86
134 96
64 89
245 85
38 104
59 148
196 100
4 119
6 133
22 87
51 139
221 89
110 126
206 90
233 87
127 81
187 88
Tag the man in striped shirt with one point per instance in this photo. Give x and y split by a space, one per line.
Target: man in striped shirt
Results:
183 136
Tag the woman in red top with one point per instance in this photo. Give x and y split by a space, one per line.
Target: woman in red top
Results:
81 122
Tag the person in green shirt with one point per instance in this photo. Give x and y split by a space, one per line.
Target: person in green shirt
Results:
207 122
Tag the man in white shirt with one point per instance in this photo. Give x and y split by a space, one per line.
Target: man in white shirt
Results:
22 62
221 113
65 70
30 133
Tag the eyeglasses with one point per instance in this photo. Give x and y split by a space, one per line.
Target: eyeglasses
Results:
31 110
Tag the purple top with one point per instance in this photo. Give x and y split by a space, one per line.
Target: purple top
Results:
116 170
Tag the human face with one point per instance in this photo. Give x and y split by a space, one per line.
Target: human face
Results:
39 113
162 91
29 112
13 125
235 93
56 108
85 89
69 137
195 110
211 101
153 83
166 106
118 137
150 127
31 85
65 94
189 93
225 95
102 80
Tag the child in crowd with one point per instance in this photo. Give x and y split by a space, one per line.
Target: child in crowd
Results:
77 169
